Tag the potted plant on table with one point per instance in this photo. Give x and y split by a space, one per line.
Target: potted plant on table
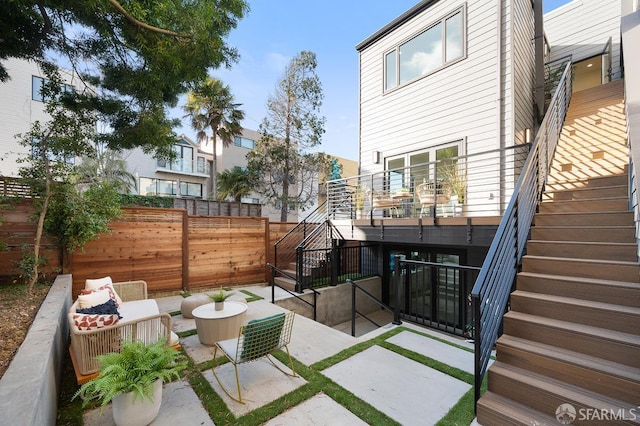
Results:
132 380
219 298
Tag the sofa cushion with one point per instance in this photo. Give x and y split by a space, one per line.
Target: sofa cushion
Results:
93 298
94 321
136 309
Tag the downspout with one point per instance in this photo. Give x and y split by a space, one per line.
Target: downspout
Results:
499 101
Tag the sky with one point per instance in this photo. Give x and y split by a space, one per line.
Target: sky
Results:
275 31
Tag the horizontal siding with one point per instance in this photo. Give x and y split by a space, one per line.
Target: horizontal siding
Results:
523 69
564 28
456 102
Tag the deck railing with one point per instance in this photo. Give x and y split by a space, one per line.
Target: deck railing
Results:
491 291
478 184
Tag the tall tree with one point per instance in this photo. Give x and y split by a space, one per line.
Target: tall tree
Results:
234 183
53 144
211 106
280 162
140 56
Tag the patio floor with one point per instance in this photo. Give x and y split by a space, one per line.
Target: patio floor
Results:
411 374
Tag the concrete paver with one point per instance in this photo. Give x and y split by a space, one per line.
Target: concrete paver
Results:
403 389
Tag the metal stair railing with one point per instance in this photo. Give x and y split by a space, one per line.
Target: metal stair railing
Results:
491 290
285 247
314 251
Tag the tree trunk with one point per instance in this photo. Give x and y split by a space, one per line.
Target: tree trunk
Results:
214 170
39 230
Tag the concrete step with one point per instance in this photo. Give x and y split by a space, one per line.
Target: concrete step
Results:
597 314
613 234
546 394
585 219
286 283
611 204
615 346
584 249
589 268
606 291
611 379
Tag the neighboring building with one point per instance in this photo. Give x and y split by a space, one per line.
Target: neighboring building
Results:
21 105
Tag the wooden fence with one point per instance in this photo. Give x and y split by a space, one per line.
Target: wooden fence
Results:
168 248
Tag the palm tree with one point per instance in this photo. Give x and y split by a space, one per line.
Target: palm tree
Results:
211 105
234 183
107 166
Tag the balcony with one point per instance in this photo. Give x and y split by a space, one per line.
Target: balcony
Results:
463 191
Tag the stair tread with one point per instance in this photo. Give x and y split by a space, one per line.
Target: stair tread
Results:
602 333
579 302
553 386
572 357
584 188
584 243
583 260
583 227
511 411
598 281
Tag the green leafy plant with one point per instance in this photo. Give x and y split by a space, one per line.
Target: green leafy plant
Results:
220 296
134 369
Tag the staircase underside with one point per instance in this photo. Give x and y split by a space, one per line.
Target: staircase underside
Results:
572 335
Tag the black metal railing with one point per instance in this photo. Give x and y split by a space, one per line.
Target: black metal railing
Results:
355 313
339 263
276 271
479 184
491 291
436 295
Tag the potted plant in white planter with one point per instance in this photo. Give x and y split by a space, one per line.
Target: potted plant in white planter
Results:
132 381
219 298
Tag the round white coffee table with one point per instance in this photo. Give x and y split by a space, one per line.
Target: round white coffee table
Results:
214 326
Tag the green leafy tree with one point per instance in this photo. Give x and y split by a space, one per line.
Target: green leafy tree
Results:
281 163
140 56
211 106
234 184
53 145
107 167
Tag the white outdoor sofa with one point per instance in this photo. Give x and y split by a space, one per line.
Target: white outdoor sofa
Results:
141 320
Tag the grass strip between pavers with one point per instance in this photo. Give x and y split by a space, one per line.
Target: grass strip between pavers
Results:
462 413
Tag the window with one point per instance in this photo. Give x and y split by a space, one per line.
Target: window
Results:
183 161
411 169
244 142
440 44
190 189
202 166
36 88
149 186
249 200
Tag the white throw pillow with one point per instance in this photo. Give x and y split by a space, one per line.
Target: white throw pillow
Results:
94 284
94 298
101 284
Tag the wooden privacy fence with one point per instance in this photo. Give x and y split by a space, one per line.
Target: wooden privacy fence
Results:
173 251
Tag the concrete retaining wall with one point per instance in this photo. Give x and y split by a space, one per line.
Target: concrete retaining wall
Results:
30 387
334 303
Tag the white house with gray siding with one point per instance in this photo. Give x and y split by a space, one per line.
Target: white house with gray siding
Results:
446 78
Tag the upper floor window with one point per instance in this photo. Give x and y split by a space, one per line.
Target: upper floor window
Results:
36 88
243 142
439 45
202 166
183 161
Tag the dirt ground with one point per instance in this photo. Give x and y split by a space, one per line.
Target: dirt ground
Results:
17 311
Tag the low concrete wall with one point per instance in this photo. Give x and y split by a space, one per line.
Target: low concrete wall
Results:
334 303
30 387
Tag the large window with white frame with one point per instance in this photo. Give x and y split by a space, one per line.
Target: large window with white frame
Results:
183 160
409 170
244 142
440 44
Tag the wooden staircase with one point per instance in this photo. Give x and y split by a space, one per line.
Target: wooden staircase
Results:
572 335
